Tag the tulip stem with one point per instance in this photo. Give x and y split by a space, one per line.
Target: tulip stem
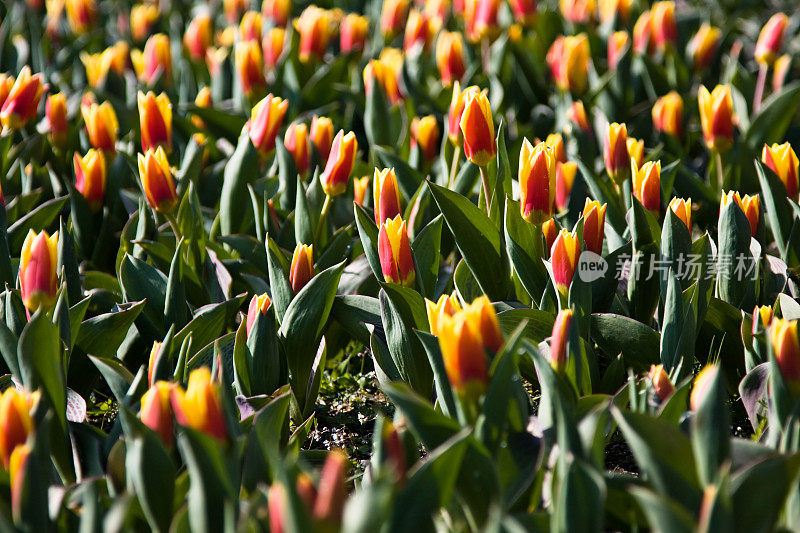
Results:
323 217
720 174
454 167
174 225
485 185
759 92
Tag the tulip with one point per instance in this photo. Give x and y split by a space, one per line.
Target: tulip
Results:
445 306
395 450
524 11
199 36
393 17
302 269
565 178
203 100
780 71
278 11
155 121
394 250
156 410
260 303
577 115
360 187
151 362
594 220
477 127
550 229
273 45
15 422
716 117
668 114
683 210
457 103
233 9
250 26
564 258
770 40
568 59
702 382
340 164
313 26
463 355
750 205
616 154
386 195
38 275
155 60
661 382
322 135
296 141
784 163
387 70
418 31
22 101
331 494
265 119
665 31
480 19
608 9
200 406
482 319
643 41
6 83
353 33
156 176
617 46
81 15
17 472
647 184
762 318
537 182
555 142
559 339
114 58
703 45
577 11
635 150
101 125
425 135
450 57
250 67
143 18
55 111
90 177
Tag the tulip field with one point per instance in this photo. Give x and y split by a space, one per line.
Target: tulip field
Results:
399 265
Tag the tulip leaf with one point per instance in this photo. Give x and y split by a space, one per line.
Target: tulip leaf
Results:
38 219
117 376
280 289
678 327
538 324
603 192
663 513
778 210
141 281
465 282
209 322
733 286
221 123
102 335
772 478
616 334
377 117
355 313
525 248
241 169
710 429
40 357
770 124
444 391
408 179
368 232
581 498
426 249
288 177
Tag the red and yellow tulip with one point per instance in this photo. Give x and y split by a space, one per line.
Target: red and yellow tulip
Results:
477 126
322 135
783 161
537 182
661 382
559 339
393 17
386 195
265 120
38 274
750 205
340 164
15 422
618 43
360 187
199 36
643 41
703 45
157 182
594 220
296 142
577 115
785 345
200 406
55 111
578 11
770 40
445 306
762 318
386 70
154 61
353 33
81 15
155 121
22 101
568 59
716 117
665 30
450 57
564 256
250 67
260 303
394 251
314 27
273 45
156 410
101 125
616 154
647 184
683 210
565 178
277 11
701 384
668 114
302 269
90 177
550 229
425 136
143 18
418 31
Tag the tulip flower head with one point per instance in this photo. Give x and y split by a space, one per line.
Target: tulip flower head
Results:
716 117
450 57
594 220
90 177
143 18
683 210
477 126
277 11
417 32
770 40
750 205
565 178
524 11
702 382
55 111
457 103
38 274
568 59
762 318
780 71
616 154
643 40
785 346
647 184
550 229
322 135
668 114
665 30
273 45
296 141
445 306
157 182
783 161
200 406
302 269
340 164
608 9
425 136
6 83
394 251
661 382
635 150
577 115
393 17
578 11
250 26
260 303
81 15
114 58
618 43
314 27
265 119
480 19
387 71
564 256
353 33
15 422
555 142
156 411
537 182
703 45
199 36
22 101
155 121
559 340
154 61
249 61
386 195
102 125
360 187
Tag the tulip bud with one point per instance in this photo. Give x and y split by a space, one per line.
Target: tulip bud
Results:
568 59
446 306
417 32
101 125
250 67
537 182
683 210
199 36
565 178
353 33
661 382
233 9
770 40
143 18
313 26
22 101
200 406
750 205
702 382
250 26
779 72
668 114
635 150
360 186
154 61
55 111
463 354
156 176
331 494
394 250
783 162
558 343
386 70
577 11
38 275
322 136
647 184
265 120
616 154
386 195
425 135
618 43
15 422
393 17
643 41
564 259
302 269
457 103
594 220
273 45
90 177
259 304
340 164
98 66
296 141
762 318
6 83
703 45
524 11
151 361
450 57
276 501
716 117
477 126
482 319
155 121
480 19
81 15
156 410
550 229
437 11
277 11
17 472
577 115
665 31
608 9
202 100
555 142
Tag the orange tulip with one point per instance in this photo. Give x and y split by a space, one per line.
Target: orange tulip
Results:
386 70
568 59
143 18
577 11
457 103
464 355
260 303
156 410
15 422
783 162
151 362
394 250
665 31
101 125
322 135
445 306
360 186
750 205
618 43
81 15
616 154
683 209
668 114
565 178
450 57
250 26
90 177
482 318
302 269
564 259
296 141
200 406
537 182
418 31
6 83
783 337
703 45
277 11
114 58
55 111
594 220
38 275
550 229
635 150
425 135
577 115
353 33
199 36
643 40
22 101
273 45
647 184
661 382
393 16
386 195
313 26
559 339
156 176
250 67
477 126
340 164
155 60
716 117
770 40
265 119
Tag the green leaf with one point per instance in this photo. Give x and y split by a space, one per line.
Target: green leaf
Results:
581 498
40 354
444 391
408 179
102 335
774 118
617 334
38 219
280 289
538 324
771 479
525 249
734 242
678 328
711 429
426 247
663 514
116 375
241 170
377 119
141 281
